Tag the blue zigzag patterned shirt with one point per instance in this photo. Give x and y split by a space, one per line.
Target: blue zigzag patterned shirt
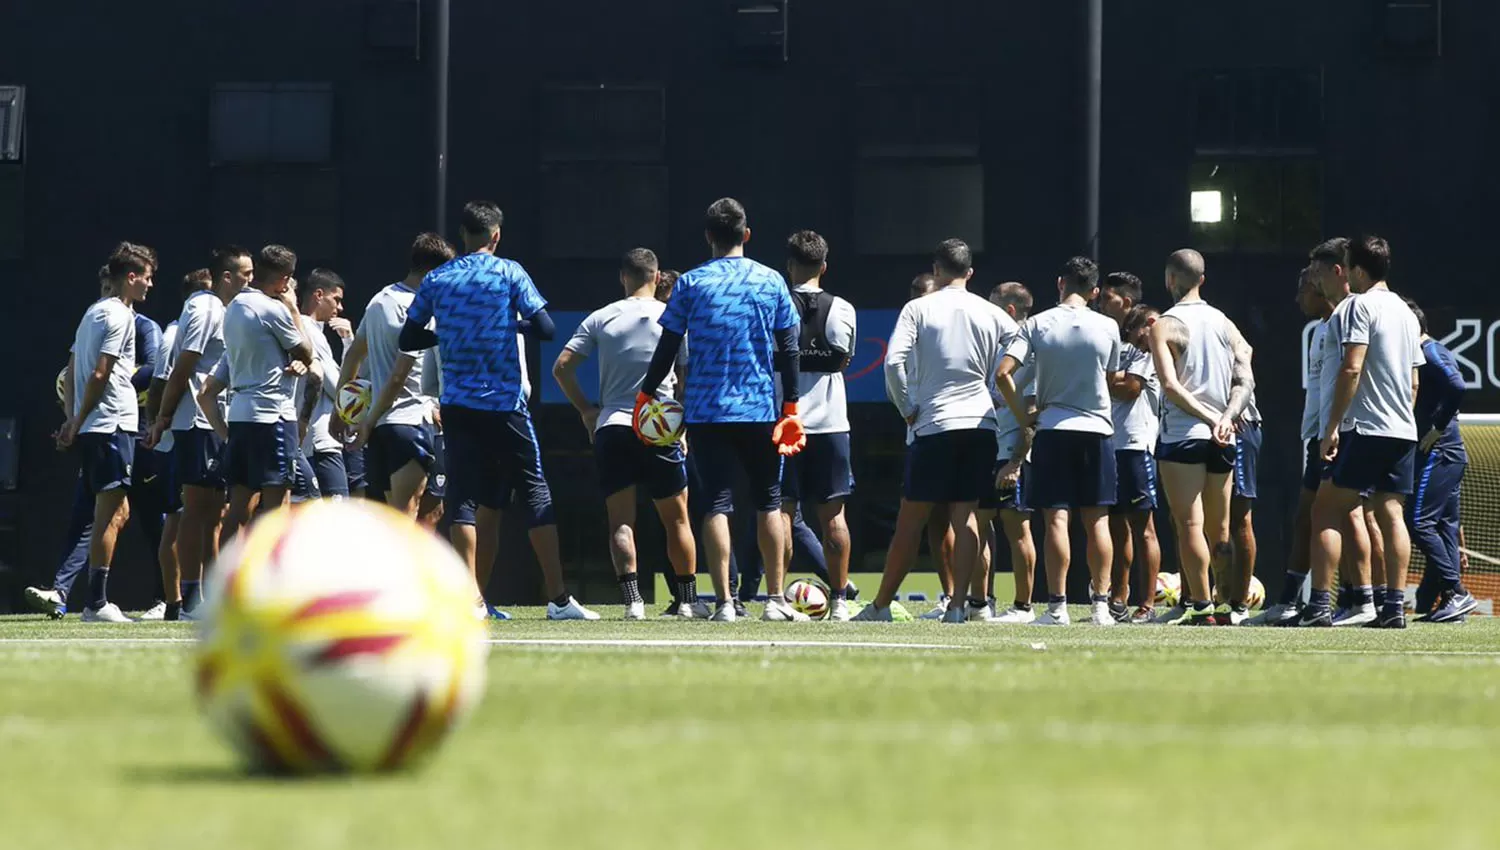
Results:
476 300
730 309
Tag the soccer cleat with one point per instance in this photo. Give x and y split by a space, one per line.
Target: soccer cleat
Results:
1143 615
851 592
1014 616
739 609
1171 615
1120 611
724 613
1312 618
695 611
496 613
839 612
46 601
938 610
109 613
673 610
1231 615
955 615
570 611
1452 608
635 611
780 611
873 613
1055 615
1388 621
1100 615
984 614
155 614
1193 617
1357 615
1277 615
899 614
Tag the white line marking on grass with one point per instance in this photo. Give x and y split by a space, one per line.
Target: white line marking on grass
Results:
732 644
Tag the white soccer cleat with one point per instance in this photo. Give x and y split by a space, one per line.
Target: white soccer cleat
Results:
46 601
873 613
1228 615
780 611
1099 615
635 611
1014 616
980 615
724 613
1276 615
155 614
839 611
695 611
955 615
110 613
938 610
1055 615
570 611
1357 615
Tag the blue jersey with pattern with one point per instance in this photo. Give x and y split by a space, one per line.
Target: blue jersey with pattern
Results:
477 300
730 309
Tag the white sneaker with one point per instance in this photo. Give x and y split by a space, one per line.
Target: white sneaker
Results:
724 613
110 613
570 611
1099 614
1014 616
956 615
1357 615
873 613
156 613
1055 615
1171 615
635 611
778 611
481 611
46 601
938 610
980 615
1275 615
696 611
839 611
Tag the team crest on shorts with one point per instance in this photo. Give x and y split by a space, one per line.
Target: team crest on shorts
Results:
442 480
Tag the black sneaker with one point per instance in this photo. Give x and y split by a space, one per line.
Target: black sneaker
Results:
739 608
673 609
1120 612
851 592
1385 620
1313 618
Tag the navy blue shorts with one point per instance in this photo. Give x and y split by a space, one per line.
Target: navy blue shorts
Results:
332 476
1373 464
1135 481
1072 469
261 455
166 469
1312 466
354 468
1219 460
105 460
1247 460
1006 500
820 473
951 466
437 473
722 450
304 479
490 456
198 458
391 448
624 461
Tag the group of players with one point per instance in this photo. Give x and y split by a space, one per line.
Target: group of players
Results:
1078 410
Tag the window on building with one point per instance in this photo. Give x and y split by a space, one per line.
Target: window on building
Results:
12 119
271 123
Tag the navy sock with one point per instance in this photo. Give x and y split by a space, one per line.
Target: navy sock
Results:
1395 602
1377 595
174 612
1460 590
1319 600
561 601
1099 597
190 595
98 587
1022 606
687 590
1346 595
1202 606
630 585
977 603
1291 588
1364 595
1056 600
841 593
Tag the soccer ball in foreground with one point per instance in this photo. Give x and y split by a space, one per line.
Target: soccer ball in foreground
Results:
809 597
354 401
1168 589
339 636
1257 595
660 422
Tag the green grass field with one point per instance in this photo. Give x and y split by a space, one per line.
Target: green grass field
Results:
1081 737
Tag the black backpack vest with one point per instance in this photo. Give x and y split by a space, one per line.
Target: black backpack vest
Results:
817 354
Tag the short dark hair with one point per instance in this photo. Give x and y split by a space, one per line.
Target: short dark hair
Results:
726 223
639 264
1138 316
275 261
1125 284
807 249
129 257
144 250
1012 294
665 283
923 284
197 280
1372 254
223 256
953 257
1330 252
1417 311
1188 263
481 218
428 252
324 279
1080 275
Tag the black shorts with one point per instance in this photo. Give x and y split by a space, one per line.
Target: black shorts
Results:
198 458
304 479
354 468
1006 500
1312 466
489 456
1135 481
1373 464
951 466
391 448
166 470
1072 469
1217 459
1247 460
624 461
105 460
262 455
332 476
720 449
820 473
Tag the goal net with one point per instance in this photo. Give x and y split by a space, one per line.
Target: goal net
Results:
1479 506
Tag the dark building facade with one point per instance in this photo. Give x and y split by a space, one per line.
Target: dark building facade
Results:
602 125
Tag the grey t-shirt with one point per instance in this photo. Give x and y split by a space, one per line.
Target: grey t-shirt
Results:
941 361
1312 404
1010 429
1382 405
319 439
164 361
108 327
258 333
1332 361
622 337
1075 348
1138 422
200 329
381 330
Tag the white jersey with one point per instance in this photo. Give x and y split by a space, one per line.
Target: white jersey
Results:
164 361
258 333
1138 422
1010 429
1332 361
1312 402
824 406
200 329
1205 369
107 327
1382 405
623 337
380 328
1075 350
956 338
319 439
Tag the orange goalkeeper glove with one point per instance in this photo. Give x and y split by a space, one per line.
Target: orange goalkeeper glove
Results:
641 400
788 434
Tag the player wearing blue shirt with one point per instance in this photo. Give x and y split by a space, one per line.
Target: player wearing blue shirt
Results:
741 326
480 302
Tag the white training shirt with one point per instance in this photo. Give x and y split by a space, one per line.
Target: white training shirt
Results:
622 337
824 406
1075 348
319 439
200 329
258 333
107 327
1332 357
956 338
1312 402
380 328
1382 405
164 363
1205 369
1010 429
1138 423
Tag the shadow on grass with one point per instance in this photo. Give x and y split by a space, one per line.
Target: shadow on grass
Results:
231 774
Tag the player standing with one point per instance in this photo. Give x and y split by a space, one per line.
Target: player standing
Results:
624 335
939 533
1077 355
1008 502
1242 495
322 302
491 445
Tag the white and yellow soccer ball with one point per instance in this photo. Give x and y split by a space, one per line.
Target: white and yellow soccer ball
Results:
660 422
62 388
338 637
354 401
1257 595
809 597
1168 589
